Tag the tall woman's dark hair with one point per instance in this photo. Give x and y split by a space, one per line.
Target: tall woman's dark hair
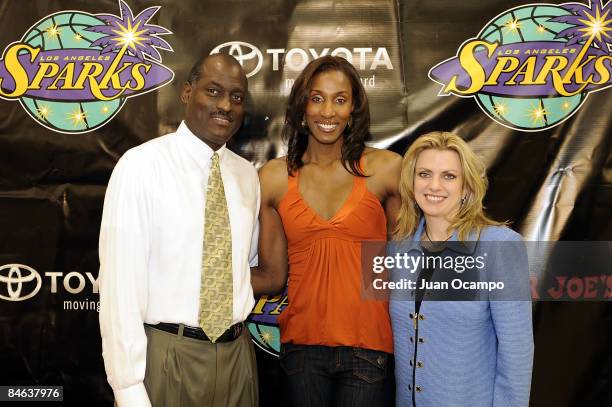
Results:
296 134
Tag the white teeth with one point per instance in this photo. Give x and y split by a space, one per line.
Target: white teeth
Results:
434 198
327 127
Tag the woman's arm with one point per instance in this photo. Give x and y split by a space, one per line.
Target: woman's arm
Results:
384 168
393 201
270 276
512 320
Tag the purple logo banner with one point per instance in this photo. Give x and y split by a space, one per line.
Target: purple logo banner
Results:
72 71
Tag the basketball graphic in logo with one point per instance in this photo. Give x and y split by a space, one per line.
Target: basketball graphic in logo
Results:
66 31
73 71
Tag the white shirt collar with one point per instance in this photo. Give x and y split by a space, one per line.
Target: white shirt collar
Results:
199 150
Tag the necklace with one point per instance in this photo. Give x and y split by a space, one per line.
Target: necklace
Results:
430 241
435 246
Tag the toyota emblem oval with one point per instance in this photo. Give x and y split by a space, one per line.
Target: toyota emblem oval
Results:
249 56
18 280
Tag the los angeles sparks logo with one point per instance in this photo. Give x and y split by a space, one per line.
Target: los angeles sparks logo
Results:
72 71
533 66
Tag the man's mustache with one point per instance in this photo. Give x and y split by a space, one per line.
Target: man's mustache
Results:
223 115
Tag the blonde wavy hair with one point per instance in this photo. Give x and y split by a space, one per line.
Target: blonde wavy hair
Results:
471 216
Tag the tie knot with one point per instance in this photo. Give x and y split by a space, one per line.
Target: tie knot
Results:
215 158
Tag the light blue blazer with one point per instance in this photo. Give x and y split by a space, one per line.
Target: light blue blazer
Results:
469 353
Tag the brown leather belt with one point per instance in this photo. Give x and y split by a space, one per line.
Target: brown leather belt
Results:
229 335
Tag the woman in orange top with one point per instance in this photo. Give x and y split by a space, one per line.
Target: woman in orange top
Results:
318 204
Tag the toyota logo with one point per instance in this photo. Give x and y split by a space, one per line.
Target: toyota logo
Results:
249 56
19 278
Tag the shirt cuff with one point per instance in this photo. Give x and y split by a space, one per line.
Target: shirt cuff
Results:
133 396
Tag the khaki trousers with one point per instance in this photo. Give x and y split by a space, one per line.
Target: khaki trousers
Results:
186 372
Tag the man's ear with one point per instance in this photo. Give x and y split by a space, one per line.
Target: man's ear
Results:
186 92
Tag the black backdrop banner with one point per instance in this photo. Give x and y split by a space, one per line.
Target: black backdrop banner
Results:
550 172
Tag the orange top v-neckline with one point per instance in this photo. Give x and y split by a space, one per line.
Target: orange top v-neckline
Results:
325 284
346 207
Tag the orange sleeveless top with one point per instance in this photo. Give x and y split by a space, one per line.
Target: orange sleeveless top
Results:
324 289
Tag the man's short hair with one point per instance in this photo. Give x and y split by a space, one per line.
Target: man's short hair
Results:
196 69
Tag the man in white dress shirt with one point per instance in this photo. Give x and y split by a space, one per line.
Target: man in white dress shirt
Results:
168 338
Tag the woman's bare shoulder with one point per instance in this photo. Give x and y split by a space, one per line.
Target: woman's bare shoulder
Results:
381 160
274 167
273 176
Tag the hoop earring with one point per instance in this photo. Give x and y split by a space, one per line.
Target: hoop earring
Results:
303 123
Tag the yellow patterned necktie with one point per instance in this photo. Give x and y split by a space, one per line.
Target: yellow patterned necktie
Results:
216 290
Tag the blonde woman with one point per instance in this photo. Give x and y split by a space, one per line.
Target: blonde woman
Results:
462 352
